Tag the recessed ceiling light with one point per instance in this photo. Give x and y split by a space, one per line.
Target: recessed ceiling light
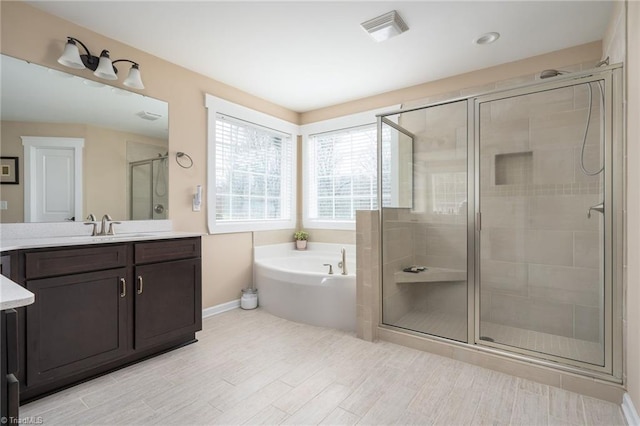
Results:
487 38
385 26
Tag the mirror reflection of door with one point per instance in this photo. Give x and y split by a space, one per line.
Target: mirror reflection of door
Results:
53 179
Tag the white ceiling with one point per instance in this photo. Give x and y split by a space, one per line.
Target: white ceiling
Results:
305 55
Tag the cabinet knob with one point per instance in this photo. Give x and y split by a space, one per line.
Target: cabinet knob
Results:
123 287
140 284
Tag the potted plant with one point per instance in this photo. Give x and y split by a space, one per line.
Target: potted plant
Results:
301 238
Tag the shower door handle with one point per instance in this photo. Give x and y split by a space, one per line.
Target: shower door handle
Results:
598 207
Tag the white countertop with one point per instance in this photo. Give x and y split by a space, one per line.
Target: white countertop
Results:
13 295
76 240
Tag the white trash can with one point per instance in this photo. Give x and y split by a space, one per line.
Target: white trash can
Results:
249 299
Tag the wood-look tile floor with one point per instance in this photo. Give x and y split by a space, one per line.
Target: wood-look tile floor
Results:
250 367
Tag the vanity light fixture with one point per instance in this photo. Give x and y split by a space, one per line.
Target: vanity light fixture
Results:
101 66
385 26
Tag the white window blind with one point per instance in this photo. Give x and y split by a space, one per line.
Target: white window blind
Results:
253 171
342 173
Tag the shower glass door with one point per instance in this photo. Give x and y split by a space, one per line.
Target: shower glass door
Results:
424 220
148 189
543 196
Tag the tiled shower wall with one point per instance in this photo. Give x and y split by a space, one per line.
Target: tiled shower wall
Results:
540 253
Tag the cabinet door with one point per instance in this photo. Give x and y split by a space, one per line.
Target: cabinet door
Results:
168 301
77 322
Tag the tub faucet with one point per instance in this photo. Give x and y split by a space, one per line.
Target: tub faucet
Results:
343 263
330 267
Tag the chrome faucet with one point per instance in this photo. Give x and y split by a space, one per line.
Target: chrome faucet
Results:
92 221
343 263
598 207
330 267
111 231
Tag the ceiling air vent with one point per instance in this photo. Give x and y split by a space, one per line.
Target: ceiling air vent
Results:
385 26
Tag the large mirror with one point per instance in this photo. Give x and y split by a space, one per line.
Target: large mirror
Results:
72 146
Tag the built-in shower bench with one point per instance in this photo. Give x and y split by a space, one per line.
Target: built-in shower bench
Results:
431 275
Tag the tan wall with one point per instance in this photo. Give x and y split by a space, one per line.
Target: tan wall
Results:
105 165
633 203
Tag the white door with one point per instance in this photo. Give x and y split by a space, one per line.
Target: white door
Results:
53 179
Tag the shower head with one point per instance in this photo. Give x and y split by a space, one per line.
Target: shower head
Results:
551 73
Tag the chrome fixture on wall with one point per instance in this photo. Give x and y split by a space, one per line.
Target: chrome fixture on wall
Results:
101 66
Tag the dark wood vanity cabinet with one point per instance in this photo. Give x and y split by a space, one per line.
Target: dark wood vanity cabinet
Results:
103 306
9 366
77 322
168 301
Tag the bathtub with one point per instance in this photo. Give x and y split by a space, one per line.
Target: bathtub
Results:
295 285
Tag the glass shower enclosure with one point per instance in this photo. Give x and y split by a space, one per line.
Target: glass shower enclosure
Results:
148 188
501 223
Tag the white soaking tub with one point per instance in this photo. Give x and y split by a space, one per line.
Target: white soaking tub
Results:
294 284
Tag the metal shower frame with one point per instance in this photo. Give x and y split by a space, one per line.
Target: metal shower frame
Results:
614 200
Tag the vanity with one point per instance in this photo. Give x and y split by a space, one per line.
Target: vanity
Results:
102 303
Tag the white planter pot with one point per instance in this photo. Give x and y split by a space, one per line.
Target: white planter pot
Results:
301 244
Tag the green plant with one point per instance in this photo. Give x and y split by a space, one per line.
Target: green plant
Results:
301 235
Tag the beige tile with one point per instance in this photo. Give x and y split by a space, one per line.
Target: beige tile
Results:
533 387
498 395
303 393
391 406
196 412
549 247
254 403
567 213
269 416
57 413
340 417
460 409
578 286
505 212
319 407
587 249
366 395
598 412
530 409
553 165
399 384
566 406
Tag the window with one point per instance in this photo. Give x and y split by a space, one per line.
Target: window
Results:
341 170
449 192
251 183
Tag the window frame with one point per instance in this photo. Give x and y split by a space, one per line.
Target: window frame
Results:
221 106
332 125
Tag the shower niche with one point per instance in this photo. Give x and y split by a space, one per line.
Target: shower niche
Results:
513 208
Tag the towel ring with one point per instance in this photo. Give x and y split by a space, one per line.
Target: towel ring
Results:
179 155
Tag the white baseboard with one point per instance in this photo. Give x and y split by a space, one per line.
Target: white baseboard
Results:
629 411
218 309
